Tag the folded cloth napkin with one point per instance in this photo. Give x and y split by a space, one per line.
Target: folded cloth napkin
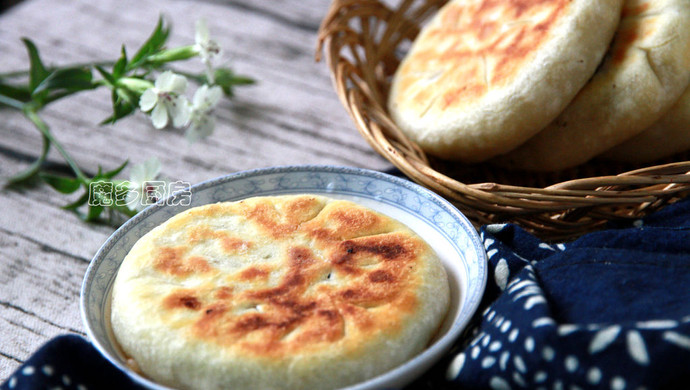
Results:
68 362
610 310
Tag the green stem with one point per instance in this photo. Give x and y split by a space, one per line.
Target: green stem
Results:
32 115
34 167
20 73
14 103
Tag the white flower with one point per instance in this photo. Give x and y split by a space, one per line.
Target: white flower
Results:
144 189
202 121
167 100
208 48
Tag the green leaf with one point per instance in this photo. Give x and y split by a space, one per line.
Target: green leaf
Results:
37 71
109 78
62 184
120 66
69 79
14 96
98 197
93 213
77 203
34 168
124 103
64 82
114 172
153 44
127 95
121 108
227 79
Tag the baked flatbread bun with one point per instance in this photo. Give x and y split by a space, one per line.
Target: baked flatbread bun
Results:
643 75
668 136
285 292
484 76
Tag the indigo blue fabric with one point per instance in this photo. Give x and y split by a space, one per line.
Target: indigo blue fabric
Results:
610 310
68 362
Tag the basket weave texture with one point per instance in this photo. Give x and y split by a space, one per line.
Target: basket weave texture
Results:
363 42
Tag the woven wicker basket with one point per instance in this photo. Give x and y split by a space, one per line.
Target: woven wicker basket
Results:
363 42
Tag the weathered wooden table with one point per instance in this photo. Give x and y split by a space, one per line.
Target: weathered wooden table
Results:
291 116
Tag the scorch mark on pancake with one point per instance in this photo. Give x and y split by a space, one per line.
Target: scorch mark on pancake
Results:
289 318
285 306
507 32
630 11
172 261
229 243
252 273
267 217
182 299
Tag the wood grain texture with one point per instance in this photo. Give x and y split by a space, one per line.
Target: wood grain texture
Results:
291 116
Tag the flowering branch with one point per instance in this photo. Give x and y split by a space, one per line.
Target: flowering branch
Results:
143 82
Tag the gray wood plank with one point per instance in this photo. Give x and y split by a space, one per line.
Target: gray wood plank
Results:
39 297
33 212
292 116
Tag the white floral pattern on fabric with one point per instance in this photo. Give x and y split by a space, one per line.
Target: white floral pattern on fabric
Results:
524 340
67 362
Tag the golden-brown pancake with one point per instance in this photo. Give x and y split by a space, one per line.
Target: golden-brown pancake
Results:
669 135
644 73
284 292
485 75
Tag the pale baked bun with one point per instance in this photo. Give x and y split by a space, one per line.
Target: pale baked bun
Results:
643 75
284 292
668 136
484 76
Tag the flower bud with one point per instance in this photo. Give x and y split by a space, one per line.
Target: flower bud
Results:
176 54
134 84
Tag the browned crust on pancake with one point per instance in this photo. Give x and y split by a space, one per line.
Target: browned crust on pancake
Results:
182 298
174 262
627 34
483 54
230 244
303 308
644 73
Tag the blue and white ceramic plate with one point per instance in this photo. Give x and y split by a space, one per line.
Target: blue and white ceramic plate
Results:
433 218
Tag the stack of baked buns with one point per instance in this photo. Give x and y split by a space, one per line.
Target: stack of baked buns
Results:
279 292
547 85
